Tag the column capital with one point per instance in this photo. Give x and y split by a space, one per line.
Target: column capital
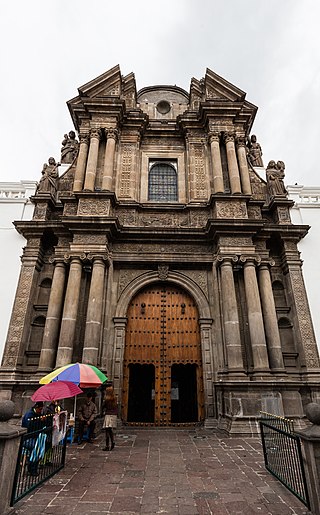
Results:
111 133
250 260
227 260
229 137
95 258
213 136
84 138
95 133
68 258
57 260
266 264
241 141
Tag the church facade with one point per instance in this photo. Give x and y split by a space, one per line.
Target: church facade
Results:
162 251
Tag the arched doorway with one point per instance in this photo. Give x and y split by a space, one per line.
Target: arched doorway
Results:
162 366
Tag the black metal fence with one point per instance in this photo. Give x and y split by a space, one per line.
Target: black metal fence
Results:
282 454
41 454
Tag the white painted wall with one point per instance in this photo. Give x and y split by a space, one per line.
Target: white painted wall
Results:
306 211
14 205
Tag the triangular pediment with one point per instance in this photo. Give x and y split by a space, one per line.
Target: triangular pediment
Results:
217 88
106 85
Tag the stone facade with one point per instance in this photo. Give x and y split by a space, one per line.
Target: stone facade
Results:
161 255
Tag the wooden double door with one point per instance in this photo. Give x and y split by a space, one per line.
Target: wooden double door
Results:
162 368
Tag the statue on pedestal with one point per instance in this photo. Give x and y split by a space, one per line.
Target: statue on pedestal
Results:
275 176
50 174
254 151
69 148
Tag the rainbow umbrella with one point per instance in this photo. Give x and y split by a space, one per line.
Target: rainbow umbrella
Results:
84 375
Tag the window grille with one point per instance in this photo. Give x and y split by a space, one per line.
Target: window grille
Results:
163 186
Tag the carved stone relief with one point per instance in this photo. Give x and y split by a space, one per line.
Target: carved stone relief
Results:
290 245
231 210
126 216
98 239
254 212
195 218
40 212
258 187
70 209
34 242
163 271
199 277
234 241
200 190
127 151
159 248
94 207
63 241
16 326
304 318
164 219
283 215
126 277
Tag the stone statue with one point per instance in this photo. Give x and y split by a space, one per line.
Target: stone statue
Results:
69 148
254 152
275 176
50 174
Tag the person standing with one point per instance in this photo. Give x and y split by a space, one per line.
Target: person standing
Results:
87 413
110 411
33 422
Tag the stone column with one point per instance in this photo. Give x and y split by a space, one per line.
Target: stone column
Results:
207 360
52 325
111 136
243 166
70 311
270 319
218 185
92 160
81 163
116 368
256 327
230 316
232 164
10 435
94 313
310 438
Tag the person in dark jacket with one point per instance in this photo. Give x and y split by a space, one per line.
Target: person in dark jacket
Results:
110 411
87 413
32 421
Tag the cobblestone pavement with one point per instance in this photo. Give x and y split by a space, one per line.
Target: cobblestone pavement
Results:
150 471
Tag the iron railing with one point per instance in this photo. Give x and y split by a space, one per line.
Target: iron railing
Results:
282 454
40 456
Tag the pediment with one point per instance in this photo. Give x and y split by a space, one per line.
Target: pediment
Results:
106 85
217 88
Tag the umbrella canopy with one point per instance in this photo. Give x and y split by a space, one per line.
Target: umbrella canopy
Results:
86 376
55 391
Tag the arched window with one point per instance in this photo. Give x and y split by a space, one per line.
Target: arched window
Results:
162 184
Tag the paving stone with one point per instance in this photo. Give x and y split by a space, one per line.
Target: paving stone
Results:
164 471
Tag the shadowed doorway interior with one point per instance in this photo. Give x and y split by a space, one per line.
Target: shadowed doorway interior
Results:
141 393
184 404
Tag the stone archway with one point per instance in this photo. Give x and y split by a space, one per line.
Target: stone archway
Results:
162 364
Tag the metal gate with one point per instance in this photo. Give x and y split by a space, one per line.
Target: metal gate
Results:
162 368
39 457
282 454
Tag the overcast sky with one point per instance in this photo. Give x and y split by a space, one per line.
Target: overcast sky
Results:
268 48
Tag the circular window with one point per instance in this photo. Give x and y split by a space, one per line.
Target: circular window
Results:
163 107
